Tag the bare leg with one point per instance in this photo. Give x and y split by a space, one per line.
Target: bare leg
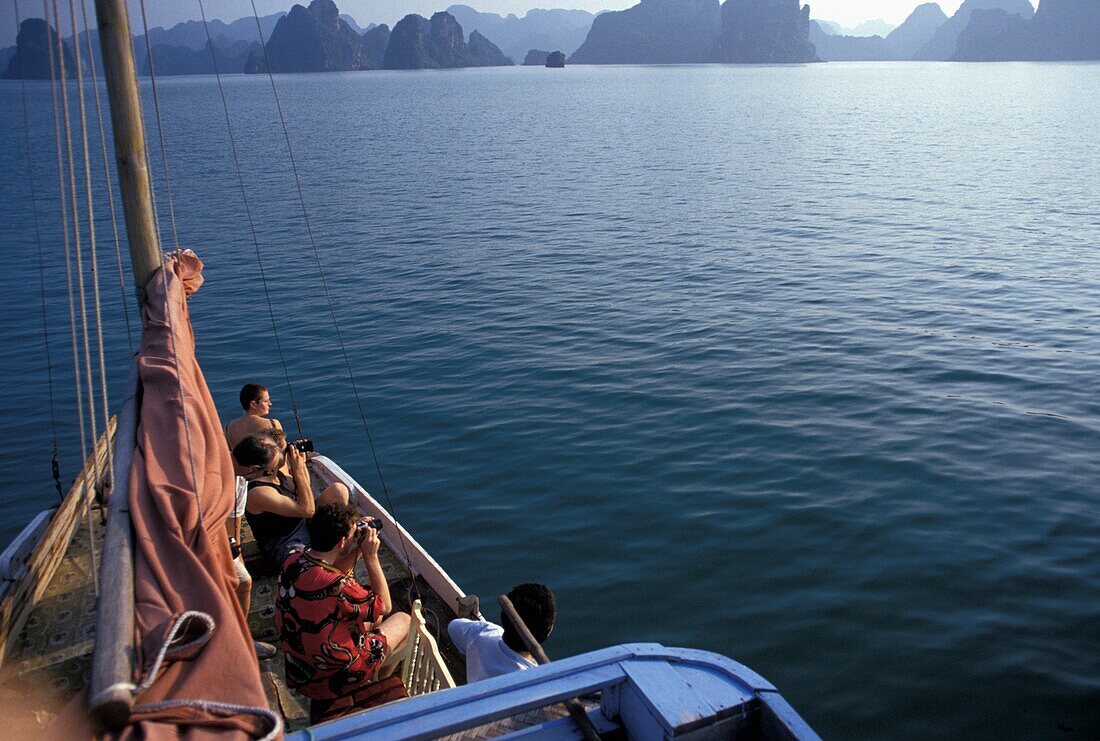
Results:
244 585
396 630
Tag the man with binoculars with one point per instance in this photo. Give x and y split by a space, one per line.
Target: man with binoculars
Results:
334 631
279 505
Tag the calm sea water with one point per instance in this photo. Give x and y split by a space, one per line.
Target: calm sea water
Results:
797 364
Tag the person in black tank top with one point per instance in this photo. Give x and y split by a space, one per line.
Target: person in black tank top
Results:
278 506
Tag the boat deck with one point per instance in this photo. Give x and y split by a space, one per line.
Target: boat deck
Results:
49 661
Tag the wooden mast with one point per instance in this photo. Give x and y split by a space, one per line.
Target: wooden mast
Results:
111 694
120 73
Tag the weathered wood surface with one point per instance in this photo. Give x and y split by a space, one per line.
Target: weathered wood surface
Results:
22 596
111 697
120 74
423 669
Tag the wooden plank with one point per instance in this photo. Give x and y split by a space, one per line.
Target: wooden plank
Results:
111 696
24 594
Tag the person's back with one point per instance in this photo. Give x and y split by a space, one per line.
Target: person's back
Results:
256 404
492 650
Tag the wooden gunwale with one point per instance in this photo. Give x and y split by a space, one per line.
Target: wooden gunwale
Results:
18 602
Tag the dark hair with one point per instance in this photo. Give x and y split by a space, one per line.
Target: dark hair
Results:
330 523
536 607
251 392
258 449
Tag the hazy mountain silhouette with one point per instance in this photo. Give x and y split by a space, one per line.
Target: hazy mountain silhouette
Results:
31 59
1061 30
313 39
942 44
535 58
170 60
417 43
653 32
902 43
539 29
1066 30
765 31
917 30
374 43
844 48
877 27
192 35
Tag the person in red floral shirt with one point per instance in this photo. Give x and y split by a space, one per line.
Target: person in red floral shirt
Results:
334 630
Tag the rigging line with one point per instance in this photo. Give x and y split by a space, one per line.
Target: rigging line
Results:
251 224
164 276
92 252
75 222
160 129
324 286
61 192
54 465
89 202
107 178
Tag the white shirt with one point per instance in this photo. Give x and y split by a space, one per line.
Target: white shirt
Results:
486 653
241 498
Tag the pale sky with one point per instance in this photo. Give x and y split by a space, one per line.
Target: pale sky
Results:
169 12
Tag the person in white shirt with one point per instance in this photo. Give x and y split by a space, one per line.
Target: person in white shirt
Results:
492 650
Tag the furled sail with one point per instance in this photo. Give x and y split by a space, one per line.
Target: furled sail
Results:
197 668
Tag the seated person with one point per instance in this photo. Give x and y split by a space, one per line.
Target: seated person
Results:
278 505
331 627
264 651
492 650
256 402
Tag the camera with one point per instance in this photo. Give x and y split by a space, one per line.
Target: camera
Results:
362 525
302 445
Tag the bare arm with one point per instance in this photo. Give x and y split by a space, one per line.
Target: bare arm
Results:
296 461
268 499
369 549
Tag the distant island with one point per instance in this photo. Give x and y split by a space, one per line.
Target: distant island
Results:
318 38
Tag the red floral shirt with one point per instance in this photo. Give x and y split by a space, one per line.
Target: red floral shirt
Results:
324 619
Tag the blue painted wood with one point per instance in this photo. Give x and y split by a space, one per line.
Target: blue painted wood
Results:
656 694
781 722
14 558
657 691
563 729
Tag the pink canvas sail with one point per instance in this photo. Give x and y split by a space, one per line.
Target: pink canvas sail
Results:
198 672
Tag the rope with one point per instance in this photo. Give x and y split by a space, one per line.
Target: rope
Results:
110 187
54 465
251 223
160 131
164 274
69 253
324 285
93 259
